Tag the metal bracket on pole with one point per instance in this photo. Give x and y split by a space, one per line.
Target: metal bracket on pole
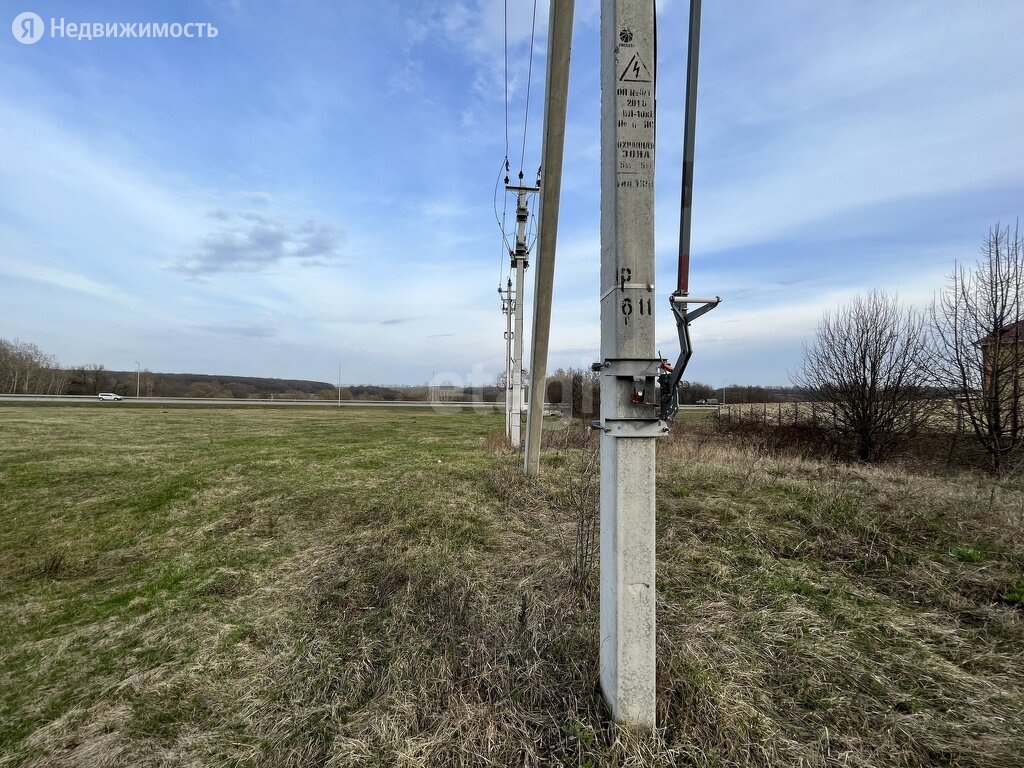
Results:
636 370
670 380
634 427
681 300
629 367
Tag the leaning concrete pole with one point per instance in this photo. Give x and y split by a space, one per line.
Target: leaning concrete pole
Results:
629 420
556 98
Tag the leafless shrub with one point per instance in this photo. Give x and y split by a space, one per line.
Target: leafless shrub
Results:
802 440
576 506
866 367
496 441
518 497
567 498
571 434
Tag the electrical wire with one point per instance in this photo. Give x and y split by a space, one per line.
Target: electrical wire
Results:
529 80
531 235
502 220
506 79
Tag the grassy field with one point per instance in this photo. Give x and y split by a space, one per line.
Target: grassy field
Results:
276 587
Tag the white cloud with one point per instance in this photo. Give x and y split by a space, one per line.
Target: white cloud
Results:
251 241
58 278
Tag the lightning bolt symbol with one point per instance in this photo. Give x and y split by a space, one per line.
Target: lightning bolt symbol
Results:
636 69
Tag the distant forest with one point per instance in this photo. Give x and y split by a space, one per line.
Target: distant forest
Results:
25 369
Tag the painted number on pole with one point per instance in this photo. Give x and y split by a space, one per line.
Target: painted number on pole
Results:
643 307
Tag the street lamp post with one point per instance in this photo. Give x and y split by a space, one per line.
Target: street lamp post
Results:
138 379
339 385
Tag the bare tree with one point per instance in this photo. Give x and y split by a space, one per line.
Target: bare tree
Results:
865 367
577 389
90 379
697 391
978 344
25 369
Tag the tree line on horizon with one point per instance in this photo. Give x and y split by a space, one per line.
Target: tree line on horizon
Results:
27 370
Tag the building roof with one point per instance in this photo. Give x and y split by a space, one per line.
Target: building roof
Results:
1012 332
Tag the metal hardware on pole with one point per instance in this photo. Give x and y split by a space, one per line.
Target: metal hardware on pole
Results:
679 302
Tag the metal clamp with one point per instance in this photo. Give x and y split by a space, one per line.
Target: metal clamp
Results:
649 287
629 367
633 427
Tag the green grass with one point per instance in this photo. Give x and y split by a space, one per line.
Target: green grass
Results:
968 554
265 587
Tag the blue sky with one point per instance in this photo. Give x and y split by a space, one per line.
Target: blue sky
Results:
314 186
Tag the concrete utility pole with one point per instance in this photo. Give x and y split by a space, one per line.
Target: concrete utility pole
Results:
556 93
138 379
508 310
520 261
629 416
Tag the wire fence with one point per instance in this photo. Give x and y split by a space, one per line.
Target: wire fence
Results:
944 414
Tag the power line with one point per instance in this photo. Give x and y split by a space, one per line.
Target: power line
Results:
502 220
506 80
529 80
503 168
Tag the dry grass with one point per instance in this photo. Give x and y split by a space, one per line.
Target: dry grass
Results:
279 588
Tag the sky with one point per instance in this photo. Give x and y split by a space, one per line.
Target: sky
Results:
314 187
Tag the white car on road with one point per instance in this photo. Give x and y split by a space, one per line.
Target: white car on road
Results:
109 396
